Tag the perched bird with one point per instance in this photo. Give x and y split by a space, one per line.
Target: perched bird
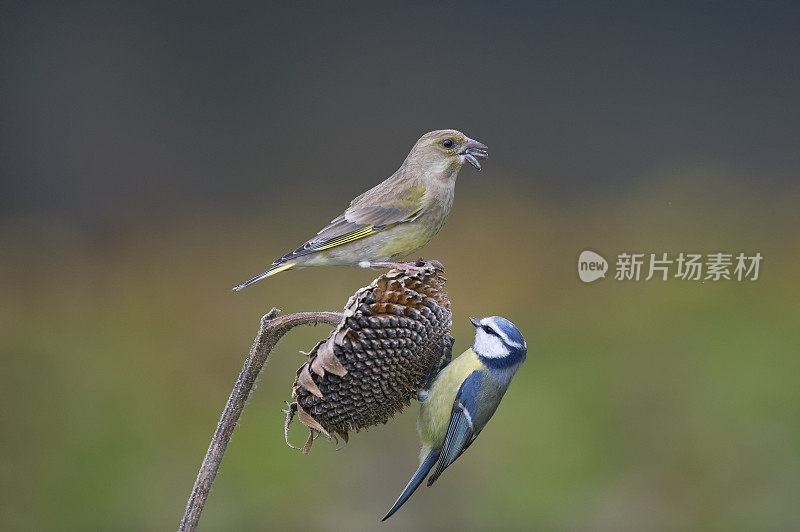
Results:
463 397
396 217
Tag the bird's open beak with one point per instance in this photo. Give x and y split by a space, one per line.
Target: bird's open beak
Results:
475 321
474 150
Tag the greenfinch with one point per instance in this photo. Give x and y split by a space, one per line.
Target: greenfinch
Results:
397 216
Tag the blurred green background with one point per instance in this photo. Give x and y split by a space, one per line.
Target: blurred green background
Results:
155 155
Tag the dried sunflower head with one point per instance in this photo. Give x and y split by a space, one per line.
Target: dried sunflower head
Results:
394 336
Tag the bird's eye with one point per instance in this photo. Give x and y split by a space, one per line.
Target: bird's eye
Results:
447 143
489 330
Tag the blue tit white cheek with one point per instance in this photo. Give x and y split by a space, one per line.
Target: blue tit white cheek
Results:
489 345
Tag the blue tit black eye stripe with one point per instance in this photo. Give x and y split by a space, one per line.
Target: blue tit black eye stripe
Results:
507 332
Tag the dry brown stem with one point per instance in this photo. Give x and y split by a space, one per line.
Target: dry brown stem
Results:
272 330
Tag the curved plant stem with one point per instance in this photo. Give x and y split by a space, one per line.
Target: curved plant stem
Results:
272 330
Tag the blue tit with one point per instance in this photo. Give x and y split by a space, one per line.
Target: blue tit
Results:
463 397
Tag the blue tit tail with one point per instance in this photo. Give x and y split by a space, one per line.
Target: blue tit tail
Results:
277 268
415 481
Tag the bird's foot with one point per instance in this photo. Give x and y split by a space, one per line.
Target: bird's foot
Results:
419 265
447 351
446 355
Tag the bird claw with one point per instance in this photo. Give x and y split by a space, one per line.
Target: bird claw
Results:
433 263
448 351
405 266
444 359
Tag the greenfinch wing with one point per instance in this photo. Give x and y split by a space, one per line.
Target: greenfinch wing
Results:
355 223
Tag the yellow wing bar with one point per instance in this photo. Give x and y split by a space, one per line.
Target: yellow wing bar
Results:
349 237
362 232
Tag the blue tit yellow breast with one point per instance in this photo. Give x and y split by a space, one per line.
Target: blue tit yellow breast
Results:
434 415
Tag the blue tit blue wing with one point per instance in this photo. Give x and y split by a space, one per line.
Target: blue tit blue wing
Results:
471 440
461 431
413 484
